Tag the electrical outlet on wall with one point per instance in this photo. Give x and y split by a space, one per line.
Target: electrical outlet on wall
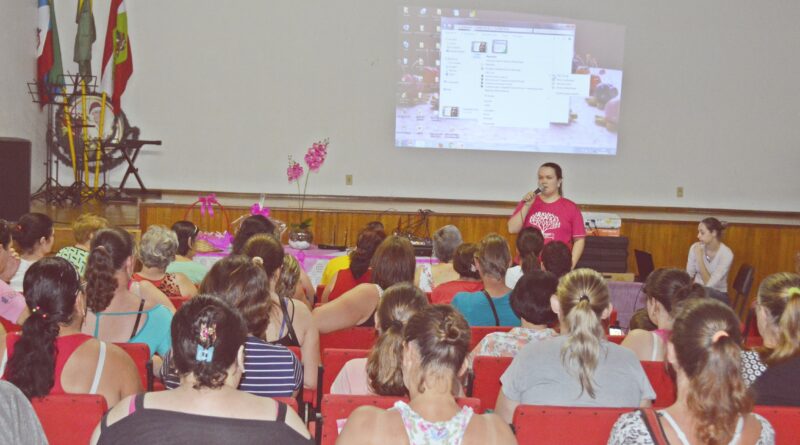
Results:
679 192
348 179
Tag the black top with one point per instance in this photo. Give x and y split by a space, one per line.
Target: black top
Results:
147 426
779 384
290 339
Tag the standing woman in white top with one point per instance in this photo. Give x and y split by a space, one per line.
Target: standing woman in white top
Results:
713 405
710 259
34 235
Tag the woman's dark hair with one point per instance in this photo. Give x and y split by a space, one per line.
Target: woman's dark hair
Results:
671 286
559 175
109 249
242 283
714 225
530 242
464 261
442 336
5 234
269 249
707 343
252 225
51 287
384 363
368 242
202 323
187 234
530 298
393 262
30 228
641 320
557 258
445 242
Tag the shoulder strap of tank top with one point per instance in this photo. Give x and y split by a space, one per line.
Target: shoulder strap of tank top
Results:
98 370
491 304
138 319
281 417
289 320
3 361
653 424
656 343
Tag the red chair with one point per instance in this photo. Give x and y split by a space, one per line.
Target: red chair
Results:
486 381
333 360
478 332
290 401
320 290
784 419
558 425
753 342
140 353
9 326
350 338
661 380
616 339
338 407
178 301
69 418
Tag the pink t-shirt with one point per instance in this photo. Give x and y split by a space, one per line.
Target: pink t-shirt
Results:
352 379
559 221
12 303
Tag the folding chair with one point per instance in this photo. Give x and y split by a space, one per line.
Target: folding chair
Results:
559 425
69 418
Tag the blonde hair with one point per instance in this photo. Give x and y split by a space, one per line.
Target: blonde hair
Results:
290 275
779 294
583 296
86 225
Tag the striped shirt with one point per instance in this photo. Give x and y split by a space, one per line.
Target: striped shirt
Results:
269 370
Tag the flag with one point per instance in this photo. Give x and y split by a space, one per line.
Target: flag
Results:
117 56
85 37
49 71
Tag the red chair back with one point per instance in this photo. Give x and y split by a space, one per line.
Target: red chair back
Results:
558 425
333 360
753 342
290 401
350 338
338 407
661 380
320 289
140 353
178 301
69 418
784 419
616 339
486 383
9 326
478 332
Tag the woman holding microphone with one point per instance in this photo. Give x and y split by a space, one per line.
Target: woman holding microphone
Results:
557 217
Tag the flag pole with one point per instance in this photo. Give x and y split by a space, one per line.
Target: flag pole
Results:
85 133
71 140
98 158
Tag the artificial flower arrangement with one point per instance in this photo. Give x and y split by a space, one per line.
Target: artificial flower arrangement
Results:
314 158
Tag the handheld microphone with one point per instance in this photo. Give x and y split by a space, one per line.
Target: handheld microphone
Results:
537 191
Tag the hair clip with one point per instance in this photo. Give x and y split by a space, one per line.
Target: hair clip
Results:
204 354
585 298
794 290
472 268
38 310
258 261
719 334
208 333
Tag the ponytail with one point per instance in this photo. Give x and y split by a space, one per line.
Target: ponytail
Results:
368 242
789 330
100 280
50 287
530 264
583 296
707 344
779 296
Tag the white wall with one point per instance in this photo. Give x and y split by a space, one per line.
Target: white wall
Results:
19 117
232 88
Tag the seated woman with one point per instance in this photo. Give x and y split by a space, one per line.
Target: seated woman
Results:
445 242
434 356
117 312
579 367
529 246
530 301
710 259
380 373
773 368
393 263
35 236
290 324
187 232
664 289
713 405
490 306
469 280
12 303
83 229
342 262
156 250
556 258
269 370
50 355
209 354
259 224
358 272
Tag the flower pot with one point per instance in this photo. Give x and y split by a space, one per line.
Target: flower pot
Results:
300 238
